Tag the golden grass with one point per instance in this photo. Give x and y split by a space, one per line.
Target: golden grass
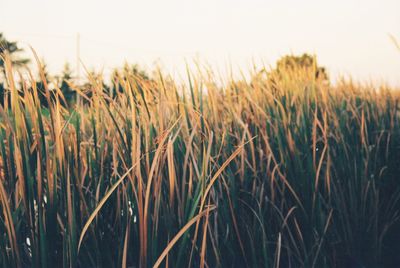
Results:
285 171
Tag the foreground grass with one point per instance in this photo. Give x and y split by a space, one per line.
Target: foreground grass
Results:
287 172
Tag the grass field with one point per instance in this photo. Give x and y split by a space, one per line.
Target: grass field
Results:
284 172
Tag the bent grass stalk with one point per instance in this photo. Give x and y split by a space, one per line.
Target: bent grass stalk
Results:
280 170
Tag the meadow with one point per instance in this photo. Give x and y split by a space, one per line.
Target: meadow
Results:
283 170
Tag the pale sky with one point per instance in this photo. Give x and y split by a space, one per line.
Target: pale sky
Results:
349 37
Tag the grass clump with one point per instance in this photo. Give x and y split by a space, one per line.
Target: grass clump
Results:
286 171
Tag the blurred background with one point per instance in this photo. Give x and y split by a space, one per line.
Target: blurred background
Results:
349 37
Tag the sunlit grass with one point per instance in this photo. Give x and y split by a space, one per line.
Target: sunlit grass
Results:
284 172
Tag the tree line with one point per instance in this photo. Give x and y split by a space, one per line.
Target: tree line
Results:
64 81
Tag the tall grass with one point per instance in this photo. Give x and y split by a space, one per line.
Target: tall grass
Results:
288 172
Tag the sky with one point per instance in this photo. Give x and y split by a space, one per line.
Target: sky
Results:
349 37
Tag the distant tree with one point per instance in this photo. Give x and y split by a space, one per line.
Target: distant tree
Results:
120 75
305 61
90 87
291 68
138 72
13 51
68 92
